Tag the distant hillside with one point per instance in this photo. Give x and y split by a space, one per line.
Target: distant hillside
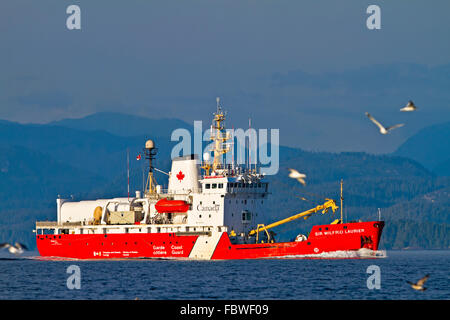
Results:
124 125
432 206
31 178
422 222
98 152
431 147
30 182
443 168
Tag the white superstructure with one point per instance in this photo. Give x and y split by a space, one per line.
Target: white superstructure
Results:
206 196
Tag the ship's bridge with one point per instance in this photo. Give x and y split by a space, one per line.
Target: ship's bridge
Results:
224 184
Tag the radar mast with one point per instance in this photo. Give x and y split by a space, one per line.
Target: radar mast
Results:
219 136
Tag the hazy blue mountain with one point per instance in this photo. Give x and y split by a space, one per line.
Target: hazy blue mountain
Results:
32 178
98 152
431 147
124 125
30 182
443 168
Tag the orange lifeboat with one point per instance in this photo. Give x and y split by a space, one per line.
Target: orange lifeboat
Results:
166 206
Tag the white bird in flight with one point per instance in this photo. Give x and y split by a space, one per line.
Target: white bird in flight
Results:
419 285
409 107
383 130
16 249
297 175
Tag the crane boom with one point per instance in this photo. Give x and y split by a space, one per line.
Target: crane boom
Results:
306 214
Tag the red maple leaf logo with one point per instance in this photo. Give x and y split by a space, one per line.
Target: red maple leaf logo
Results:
180 176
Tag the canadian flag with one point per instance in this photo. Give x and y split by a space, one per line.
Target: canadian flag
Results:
138 157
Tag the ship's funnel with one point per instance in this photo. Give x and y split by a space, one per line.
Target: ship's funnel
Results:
184 175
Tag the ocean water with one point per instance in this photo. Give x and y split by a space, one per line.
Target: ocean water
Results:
342 276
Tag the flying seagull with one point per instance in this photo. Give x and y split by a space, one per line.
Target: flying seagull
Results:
16 249
419 285
409 107
383 130
297 175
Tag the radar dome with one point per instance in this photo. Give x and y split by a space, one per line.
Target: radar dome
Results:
149 144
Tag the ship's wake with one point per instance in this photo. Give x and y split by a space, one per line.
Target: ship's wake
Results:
342 254
48 258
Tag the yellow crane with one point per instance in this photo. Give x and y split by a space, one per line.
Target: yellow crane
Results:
329 203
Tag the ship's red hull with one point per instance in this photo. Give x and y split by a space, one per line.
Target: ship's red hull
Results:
324 238
114 246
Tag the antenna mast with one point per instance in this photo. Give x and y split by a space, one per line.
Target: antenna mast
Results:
249 145
128 172
219 137
342 202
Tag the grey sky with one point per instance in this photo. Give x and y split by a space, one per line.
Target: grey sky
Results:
310 68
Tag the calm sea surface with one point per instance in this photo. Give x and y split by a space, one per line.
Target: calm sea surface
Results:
35 278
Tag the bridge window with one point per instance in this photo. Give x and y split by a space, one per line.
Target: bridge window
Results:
246 215
220 185
207 186
214 185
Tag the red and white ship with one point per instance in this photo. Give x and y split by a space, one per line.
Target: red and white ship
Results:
209 211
